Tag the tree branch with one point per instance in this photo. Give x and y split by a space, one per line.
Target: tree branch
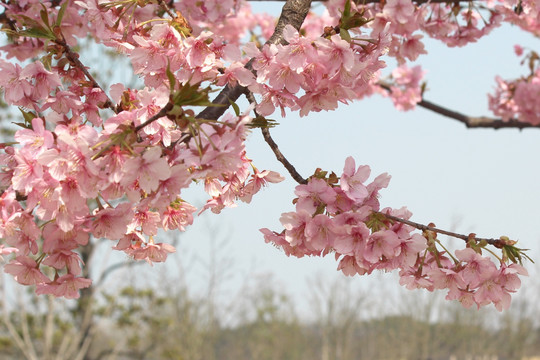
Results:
495 242
279 155
281 158
471 122
474 122
293 13
157 116
73 58
112 268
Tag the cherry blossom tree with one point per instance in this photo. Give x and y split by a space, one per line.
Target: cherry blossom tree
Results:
112 162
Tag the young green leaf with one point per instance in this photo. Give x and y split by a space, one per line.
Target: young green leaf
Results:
61 13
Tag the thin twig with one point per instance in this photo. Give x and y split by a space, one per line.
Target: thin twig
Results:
475 122
422 227
167 8
471 122
73 58
279 155
281 158
157 116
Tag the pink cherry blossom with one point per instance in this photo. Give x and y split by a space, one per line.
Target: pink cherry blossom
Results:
314 194
400 10
25 271
320 233
36 139
112 223
6 250
352 180
148 169
67 286
60 259
478 268
153 252
381 244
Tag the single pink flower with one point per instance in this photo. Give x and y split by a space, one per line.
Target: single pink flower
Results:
383 243
67 286
148 169
25 271
320 232
477 268
316 193
112 223
61 258
352 180
153 252
178 216
36 138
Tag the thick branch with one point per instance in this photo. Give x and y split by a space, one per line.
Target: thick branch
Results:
469 121
293 13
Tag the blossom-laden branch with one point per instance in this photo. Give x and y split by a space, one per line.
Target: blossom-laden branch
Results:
161 113
470 239
378 1
342 216
50 31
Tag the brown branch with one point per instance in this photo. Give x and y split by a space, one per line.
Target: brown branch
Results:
474 122
157 116
471 122
466 238
73 58
281 158
279 155
293 13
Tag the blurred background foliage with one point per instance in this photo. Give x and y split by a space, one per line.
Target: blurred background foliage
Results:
167 319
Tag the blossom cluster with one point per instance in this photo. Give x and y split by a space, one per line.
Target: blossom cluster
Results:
406 90
324 70
518 99
75 173
80 183
343 217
